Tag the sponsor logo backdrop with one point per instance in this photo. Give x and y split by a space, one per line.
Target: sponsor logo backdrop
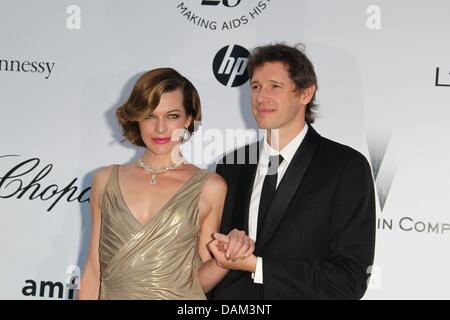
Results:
384 77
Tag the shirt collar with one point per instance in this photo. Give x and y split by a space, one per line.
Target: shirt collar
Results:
288 151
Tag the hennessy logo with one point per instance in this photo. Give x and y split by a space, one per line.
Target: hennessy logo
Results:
41 67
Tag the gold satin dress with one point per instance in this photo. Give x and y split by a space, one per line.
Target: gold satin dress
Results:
158 260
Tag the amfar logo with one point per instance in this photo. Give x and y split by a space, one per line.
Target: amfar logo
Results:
442 78
54 289
221 15
230 65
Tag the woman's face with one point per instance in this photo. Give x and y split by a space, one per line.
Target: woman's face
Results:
162 130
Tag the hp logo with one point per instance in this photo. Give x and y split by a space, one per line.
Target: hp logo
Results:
230 65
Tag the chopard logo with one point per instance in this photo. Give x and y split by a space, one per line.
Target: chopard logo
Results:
221 15
26 179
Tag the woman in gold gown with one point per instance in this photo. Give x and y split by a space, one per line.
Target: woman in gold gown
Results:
152 219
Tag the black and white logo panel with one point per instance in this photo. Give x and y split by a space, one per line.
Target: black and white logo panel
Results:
230 65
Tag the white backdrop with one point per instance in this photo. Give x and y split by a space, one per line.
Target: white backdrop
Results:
65 66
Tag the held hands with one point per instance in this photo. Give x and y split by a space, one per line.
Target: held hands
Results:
233 251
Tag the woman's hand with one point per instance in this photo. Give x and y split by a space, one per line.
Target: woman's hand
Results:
234 251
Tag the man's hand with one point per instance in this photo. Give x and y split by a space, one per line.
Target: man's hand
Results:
237 245
216 247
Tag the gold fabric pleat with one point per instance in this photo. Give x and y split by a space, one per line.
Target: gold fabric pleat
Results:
158 260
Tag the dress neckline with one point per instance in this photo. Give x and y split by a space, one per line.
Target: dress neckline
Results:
164 206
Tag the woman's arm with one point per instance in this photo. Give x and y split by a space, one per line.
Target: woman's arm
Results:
211 204
90 278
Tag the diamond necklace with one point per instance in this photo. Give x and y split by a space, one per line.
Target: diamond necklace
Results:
154 172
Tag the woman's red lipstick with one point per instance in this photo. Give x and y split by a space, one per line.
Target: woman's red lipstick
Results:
161 140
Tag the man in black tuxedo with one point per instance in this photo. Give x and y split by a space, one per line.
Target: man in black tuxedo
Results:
308 202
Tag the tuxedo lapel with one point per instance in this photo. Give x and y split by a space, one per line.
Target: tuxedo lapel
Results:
287 187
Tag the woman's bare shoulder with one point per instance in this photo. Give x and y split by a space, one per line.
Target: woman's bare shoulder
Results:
214 187
213 180
216 180
100 178
102 174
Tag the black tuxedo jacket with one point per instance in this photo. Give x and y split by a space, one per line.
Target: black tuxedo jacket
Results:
317 239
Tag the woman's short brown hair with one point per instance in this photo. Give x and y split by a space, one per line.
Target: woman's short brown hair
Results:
145 97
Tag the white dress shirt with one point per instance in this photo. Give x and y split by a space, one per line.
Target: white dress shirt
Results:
287 153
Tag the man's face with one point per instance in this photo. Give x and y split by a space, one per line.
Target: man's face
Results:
276 103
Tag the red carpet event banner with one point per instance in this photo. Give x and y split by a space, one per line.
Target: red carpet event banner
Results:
383 70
